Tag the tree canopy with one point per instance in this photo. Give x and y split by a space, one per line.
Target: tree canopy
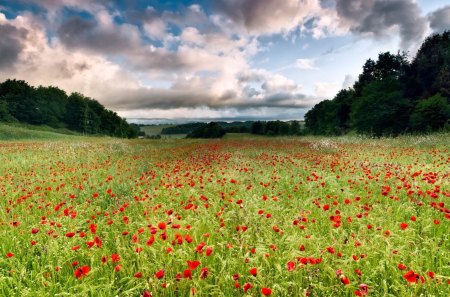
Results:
392 95
51 106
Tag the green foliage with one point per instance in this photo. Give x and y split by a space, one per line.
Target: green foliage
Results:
430 114
19 102
210 130
389 97
181 129
276 128
381 109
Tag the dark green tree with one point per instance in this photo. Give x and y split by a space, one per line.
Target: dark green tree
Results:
430 114
381 109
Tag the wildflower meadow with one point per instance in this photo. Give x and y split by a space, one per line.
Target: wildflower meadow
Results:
239 216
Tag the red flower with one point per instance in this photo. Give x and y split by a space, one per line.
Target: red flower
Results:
344 279
82 271
187 274
162 225
34 230
70 234
413 277
93 228
209 251
118 267
159 274
291 266
247 286
115 258
254 271
266 291
147 294
192 264
403 226
9 255
151 240
401 266
138 275
204 273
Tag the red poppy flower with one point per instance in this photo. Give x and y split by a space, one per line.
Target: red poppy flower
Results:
254 271
159 274
204 273
291 266
187 274
82 271
192 264
247 286
162 225
401 266
70 234
115 258
138 275
413 277
266 291
344 279
403 226
9 255
34 230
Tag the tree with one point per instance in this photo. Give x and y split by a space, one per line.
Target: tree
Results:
294 129
430 114
20 99
51 104
432 57
210 130
381 109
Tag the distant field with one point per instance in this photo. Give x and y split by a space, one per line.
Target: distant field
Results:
239 216
154 129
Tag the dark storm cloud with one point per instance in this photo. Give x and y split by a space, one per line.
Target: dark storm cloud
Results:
440 19
171 98
378 16
77 32
265 16
11 45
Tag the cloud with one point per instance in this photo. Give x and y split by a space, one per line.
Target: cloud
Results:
204 79
11 43
349 81
378 17
440 20
267 16
100 35
326 89
305 64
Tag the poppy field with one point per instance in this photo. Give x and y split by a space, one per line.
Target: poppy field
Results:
232 217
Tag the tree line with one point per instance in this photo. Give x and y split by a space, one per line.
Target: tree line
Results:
51 106
392 95
219 129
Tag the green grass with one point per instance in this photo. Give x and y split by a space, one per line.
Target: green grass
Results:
321 193
29 132
154 129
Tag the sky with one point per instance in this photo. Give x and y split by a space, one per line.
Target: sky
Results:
217 60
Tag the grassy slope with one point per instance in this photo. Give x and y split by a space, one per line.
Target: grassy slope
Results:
21 132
